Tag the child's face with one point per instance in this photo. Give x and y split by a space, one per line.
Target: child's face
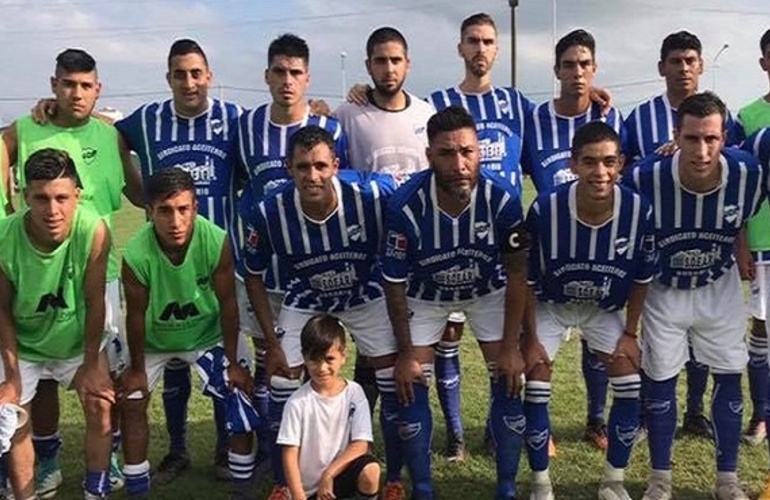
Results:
329 367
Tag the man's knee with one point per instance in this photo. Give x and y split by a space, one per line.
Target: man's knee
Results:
97 410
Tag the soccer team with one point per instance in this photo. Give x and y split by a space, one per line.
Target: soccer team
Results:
294 228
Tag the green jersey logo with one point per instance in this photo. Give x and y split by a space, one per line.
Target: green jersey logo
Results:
179 311
51 300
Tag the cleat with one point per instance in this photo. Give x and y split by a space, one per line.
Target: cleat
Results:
697 426
455 449
541 491
279 493
172 465
117 481
613 490
394 490
658 488
755 433
48 478
729 489
596 434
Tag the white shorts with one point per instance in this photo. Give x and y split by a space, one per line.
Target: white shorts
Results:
760 287
599 328
712 318
114 328
248 321
484 314
368 324
155 362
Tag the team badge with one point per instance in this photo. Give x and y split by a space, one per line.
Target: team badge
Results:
621 245
731 213
481 229
217 126
354 232
504 106
89 155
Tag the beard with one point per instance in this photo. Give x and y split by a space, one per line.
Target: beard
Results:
388 91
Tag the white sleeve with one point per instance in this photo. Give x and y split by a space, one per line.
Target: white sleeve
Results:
290 432
361 420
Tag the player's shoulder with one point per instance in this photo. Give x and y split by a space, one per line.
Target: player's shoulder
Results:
543 200
208 229
497 183
406 192
441 98
644 105
418 105
740 157
367 183
253 114
139 243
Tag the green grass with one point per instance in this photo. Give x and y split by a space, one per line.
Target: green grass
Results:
575 471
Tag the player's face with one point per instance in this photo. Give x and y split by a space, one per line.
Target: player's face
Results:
478 48
326 371
189 78
76 94
388 66
288 79
764 61
597 168
576 71
700 141
312 171
682 70
174 218
52 206
454 158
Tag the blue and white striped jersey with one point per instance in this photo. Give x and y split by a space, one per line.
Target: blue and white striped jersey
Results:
499 116
548 142
695 232
651 124
264 146
449 259
334 262
574 262
205 146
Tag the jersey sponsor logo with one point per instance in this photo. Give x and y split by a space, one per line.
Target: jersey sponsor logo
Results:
695 258
458 275
492 149
587 289
559 156
621 245
354 232
201 174
332 280
89 155
179 311
481 229
563 176
396 245
52 301
731 213
273 184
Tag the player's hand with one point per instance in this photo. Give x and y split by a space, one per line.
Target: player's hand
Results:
319 107
275 362
358 94
238 376
43 111
534 354
406 372
628 348
131 381
94 381
667 149
9 393
326 488
510 366
602 97
745 261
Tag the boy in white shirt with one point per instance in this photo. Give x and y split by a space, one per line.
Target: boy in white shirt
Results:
326 429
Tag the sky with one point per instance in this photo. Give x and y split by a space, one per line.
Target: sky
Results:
130 41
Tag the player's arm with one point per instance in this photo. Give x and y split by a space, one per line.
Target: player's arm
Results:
94 378
7 160
10 389
133 188
224 288
291 469
137 301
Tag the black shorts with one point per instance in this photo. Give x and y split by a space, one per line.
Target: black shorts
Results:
346 482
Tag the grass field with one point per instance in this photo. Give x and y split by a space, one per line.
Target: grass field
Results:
575 471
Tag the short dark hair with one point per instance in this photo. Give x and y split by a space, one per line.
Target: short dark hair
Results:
185 46
167 182
681 40
74 61
480 18
288 45
449 119
49 164
764 42
578 37
309 137
384 35
591 133
700 106
319 334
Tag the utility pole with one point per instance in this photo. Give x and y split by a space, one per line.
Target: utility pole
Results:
513 4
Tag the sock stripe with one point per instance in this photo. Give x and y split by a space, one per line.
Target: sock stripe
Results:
537 391
627 386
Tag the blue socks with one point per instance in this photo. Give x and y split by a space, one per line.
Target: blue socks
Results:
415 430
176 395
624 419
97 483
46 447
660 412
536 398
508 426
726 417
759 378
137 478
595 377
447 365
389 407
